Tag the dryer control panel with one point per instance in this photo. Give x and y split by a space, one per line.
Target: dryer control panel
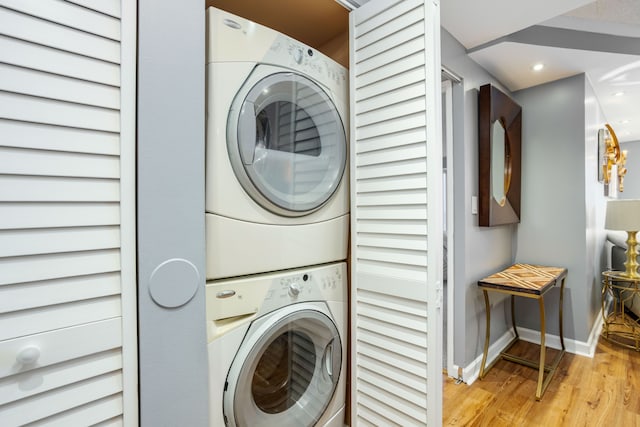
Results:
290 53
235 39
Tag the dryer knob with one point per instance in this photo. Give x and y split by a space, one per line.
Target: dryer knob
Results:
294 289
297 55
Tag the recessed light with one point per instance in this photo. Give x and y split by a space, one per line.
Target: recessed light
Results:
537 67
618 94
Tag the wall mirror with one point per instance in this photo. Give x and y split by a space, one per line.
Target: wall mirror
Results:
499 150
500 164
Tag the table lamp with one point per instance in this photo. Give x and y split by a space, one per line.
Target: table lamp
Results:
625 215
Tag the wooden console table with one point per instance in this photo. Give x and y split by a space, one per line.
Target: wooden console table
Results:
620 326
529 281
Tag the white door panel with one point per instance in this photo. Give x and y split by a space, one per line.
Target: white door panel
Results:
396 188
68 343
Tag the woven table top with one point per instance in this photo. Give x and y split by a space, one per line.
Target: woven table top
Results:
527 278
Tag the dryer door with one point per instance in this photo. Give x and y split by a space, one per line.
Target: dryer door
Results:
285 372
286 143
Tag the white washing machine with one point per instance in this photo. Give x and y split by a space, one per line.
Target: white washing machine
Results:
277 193
277 348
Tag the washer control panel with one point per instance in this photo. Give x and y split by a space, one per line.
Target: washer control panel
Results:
314 284
263 293
294 290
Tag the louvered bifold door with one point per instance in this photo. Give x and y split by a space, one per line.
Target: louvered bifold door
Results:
67 254
396 167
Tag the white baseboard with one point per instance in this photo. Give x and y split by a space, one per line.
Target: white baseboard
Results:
472 371
581 348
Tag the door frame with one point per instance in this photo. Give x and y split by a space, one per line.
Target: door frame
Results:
447 136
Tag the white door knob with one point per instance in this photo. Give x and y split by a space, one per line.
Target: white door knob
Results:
28 355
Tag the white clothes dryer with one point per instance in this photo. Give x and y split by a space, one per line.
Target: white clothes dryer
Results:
277 195
277 348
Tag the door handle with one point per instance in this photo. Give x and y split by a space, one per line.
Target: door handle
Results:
327 359
247 132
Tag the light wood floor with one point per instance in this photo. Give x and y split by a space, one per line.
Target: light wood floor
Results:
603 391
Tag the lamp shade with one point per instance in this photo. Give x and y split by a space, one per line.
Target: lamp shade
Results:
623 215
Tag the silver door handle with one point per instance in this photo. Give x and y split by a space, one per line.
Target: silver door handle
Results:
247 132
328 359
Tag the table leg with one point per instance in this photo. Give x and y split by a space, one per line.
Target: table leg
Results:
542 349
605 323
513 316
561 311
487 333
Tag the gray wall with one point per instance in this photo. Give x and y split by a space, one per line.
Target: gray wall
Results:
172 335
479 251
562 202
632 178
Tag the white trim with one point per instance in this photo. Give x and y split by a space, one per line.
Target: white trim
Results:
434 212
128 212
353 237
471 372
594 336
581 348
447 89
450 75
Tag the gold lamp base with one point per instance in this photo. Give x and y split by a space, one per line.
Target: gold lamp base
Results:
632 257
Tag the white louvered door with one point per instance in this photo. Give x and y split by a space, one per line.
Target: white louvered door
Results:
67 200
396 208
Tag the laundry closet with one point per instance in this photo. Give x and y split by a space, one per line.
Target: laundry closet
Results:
394 94
277 224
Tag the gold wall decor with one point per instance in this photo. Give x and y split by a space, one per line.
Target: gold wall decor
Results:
613 155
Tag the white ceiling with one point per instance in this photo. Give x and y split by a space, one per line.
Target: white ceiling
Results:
600 38
473 22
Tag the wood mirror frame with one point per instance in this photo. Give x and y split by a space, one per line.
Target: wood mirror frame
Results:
493 105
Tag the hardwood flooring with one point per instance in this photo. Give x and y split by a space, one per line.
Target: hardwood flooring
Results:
603 391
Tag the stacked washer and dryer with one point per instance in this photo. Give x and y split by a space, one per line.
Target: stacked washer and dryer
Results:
277 221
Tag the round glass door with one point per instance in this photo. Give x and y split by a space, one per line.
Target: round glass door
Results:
288 376
287 144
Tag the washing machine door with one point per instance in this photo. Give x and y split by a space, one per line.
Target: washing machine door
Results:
286 142
285 372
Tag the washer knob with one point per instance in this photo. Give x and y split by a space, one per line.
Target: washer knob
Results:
297 55
294 289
